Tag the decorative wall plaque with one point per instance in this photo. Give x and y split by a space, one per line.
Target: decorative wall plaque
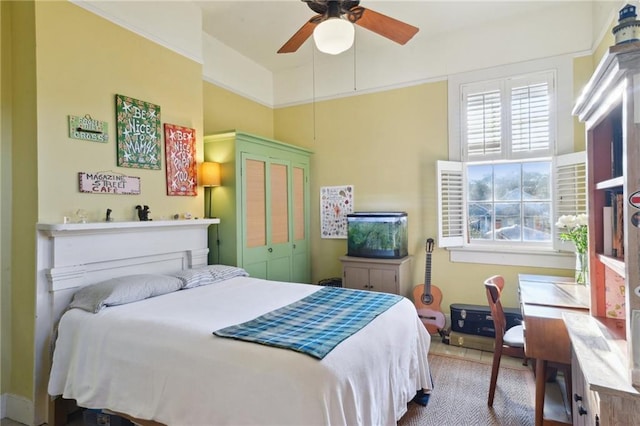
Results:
138 133
180 152
108 183
88 129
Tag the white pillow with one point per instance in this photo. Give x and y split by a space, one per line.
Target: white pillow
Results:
224 272
190 278
121 290
208 275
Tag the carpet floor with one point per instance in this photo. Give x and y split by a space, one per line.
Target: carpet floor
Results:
460 394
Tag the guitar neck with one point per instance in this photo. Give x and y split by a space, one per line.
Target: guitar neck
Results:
427 271
427 274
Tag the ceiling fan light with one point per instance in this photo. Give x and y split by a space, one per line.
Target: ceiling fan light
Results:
334 35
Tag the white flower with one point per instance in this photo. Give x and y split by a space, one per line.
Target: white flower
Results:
567 221
575 229
581 220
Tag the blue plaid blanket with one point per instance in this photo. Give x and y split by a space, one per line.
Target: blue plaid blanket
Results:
315 324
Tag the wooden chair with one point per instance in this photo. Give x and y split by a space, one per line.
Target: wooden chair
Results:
508 342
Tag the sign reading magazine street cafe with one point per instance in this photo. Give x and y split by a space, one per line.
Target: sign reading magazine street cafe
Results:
108 183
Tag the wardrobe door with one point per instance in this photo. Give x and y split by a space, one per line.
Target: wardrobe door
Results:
254 210
266 241
278 222
300 225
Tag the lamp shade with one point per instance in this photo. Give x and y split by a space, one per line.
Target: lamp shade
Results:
334 35
210 174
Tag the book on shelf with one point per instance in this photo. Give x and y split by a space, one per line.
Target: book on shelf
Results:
616 144
607 230
617 227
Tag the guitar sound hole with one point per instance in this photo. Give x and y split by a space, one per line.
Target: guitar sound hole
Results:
427 299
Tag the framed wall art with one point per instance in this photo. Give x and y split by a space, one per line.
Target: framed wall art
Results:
336 202
108 183
138 133
180 152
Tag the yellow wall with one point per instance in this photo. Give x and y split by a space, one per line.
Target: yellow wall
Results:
83 62
607 41
5 223
224 110
582 70
24 202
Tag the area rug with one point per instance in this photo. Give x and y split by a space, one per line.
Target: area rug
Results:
460 393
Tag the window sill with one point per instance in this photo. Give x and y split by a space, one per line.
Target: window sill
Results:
545 258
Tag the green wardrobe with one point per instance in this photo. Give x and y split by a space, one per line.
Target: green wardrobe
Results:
263 205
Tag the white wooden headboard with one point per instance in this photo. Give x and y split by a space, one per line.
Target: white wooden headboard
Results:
74 255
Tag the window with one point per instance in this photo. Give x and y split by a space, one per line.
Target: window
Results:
509 201
509 188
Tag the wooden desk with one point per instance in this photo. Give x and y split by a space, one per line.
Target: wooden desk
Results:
543 300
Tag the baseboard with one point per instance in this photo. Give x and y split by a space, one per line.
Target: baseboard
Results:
17 408
447 321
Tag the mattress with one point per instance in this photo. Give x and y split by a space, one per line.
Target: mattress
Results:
157 359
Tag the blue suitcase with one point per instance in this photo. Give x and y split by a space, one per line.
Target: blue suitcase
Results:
476 319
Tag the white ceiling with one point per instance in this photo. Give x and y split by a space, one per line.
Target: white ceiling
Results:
257 29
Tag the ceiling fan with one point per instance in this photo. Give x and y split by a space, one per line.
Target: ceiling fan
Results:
331 12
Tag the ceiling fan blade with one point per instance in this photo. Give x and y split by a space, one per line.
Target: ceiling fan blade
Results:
386 26
300 36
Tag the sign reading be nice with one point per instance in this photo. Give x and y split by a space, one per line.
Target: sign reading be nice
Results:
138 133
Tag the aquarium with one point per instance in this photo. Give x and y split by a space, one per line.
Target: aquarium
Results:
377 234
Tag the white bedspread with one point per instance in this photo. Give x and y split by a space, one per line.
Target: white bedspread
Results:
157 359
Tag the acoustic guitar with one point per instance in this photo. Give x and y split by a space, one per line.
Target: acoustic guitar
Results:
427 298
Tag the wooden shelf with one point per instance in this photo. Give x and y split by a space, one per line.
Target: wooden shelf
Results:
617 265
599 346
616 329
612 183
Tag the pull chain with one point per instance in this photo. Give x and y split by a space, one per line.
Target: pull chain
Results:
313 100
354 64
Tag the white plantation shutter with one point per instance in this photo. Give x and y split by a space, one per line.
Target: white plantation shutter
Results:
451 205
509 119
530 118
570 191
483 123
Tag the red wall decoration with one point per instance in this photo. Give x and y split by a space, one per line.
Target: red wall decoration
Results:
180 153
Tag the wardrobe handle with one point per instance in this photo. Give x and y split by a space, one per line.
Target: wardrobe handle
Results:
578 399
270 250
581 410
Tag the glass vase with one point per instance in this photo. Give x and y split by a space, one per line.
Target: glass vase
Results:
582 268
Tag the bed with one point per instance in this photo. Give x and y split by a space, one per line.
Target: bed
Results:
158 359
